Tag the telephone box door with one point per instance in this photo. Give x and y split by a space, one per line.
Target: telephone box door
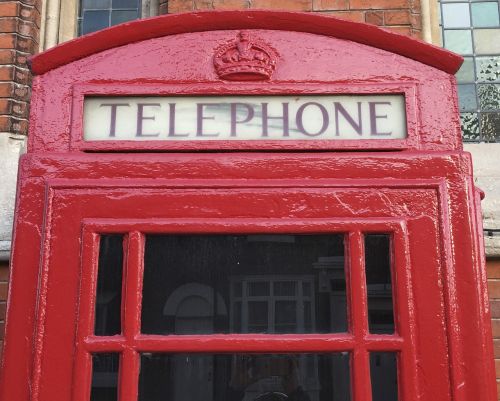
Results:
244 290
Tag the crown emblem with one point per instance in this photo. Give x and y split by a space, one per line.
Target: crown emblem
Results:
245 59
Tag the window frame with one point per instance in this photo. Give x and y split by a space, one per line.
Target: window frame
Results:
60 20
358 340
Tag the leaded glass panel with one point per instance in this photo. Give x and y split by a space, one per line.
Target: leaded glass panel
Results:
485 14
487 41
456 15
490 127
458 41
467 97
466 72
488 69
472 28
489 96
470 127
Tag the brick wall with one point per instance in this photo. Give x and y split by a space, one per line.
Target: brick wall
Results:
19 35
4 277
493 268
402 16
19 31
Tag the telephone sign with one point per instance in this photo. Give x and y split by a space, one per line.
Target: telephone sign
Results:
245 118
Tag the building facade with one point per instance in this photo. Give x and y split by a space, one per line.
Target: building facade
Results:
469 28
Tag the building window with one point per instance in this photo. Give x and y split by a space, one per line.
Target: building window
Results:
472 29
100 14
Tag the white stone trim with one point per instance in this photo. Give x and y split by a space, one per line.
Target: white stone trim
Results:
431 31
492 246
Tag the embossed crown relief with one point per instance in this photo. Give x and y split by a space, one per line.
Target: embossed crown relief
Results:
245 59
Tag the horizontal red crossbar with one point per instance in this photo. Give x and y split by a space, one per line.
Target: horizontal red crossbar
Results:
241 343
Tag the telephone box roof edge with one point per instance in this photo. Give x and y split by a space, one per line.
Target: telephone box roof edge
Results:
172 24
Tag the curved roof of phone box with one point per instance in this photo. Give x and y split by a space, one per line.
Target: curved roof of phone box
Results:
172 24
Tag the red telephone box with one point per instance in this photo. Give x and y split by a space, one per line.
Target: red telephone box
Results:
247 206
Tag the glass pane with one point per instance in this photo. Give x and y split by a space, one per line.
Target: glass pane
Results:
466 72
487 41
258 313
240 377
378 281
109 286
470 126
125 4
458 41
307 316
237 289
484 14
489 96
306 289
258 288
117 17
456 15
94 20
285 316
490 127
236 314
384 376
488 69
96 4
285 288
192 283
104 377
467 97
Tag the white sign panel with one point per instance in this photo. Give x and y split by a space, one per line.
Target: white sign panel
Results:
249 118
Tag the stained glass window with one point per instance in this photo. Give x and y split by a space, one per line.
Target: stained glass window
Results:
472 29
100 14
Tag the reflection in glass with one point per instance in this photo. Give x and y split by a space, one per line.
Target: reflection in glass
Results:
244 284
384 376
379 283
94 20
96 4
120 4
245 377
117 17
109 286
104 377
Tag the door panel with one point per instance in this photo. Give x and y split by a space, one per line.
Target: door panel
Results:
77 216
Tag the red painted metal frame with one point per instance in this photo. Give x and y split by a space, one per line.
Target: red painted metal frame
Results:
116 186
253 19
358 340
408 89
225 343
